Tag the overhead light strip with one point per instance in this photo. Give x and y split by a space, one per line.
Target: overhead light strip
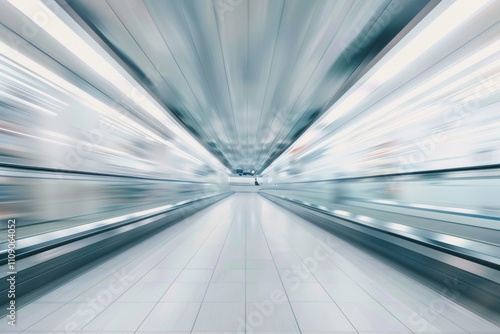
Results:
409 49
107 68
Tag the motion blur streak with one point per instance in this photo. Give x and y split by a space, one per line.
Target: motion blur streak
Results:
378 121
416 153
71 155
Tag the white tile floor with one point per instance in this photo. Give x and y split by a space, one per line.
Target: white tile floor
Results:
245 265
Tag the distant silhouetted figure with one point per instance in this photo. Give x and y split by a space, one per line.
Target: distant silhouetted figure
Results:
256 183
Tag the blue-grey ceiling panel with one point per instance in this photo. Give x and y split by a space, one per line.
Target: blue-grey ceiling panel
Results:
246 77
